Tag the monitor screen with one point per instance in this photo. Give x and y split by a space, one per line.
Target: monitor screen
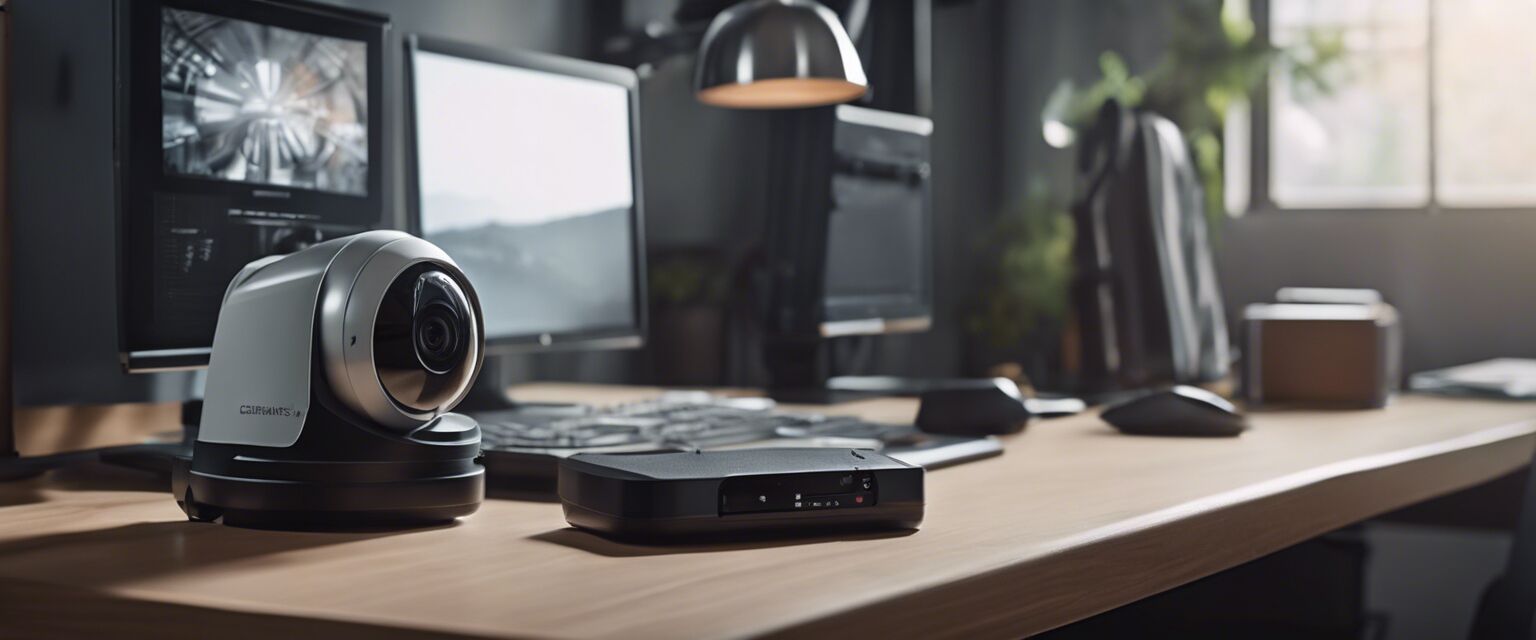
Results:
260 104
879 246
877 235
248 129
526 178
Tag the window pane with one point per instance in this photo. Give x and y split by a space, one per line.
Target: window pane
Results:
1237 131
1485 84
1365 143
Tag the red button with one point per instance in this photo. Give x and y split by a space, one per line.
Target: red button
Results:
858 499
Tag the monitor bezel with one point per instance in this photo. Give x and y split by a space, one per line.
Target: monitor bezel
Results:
139 170
631 336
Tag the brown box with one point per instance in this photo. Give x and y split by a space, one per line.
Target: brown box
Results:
1338 355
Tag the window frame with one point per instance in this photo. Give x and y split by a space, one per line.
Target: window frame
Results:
1260 198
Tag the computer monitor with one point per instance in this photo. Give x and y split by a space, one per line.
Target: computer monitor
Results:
879 276
526 171
244 129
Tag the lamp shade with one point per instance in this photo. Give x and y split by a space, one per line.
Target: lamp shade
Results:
777 54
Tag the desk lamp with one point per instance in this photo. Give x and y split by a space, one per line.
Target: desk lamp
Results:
792 57
778 54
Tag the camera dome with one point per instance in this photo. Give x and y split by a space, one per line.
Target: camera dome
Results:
400 328
423 338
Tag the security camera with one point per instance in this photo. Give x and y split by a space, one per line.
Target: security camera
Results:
329 388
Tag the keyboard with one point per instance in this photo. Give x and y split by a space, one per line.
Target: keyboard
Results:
527 444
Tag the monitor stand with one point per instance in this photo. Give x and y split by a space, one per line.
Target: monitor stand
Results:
799 372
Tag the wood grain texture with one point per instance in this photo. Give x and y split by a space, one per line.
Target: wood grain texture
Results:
1074 519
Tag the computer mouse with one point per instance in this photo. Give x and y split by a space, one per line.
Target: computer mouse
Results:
1179 411
983 408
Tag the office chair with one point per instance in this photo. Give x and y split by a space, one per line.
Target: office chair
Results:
1508 606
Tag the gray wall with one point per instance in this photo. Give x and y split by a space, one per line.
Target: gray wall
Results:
1053 40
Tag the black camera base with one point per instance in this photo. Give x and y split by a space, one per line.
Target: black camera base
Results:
340 473
262 504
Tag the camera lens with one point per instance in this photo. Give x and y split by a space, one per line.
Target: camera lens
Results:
423 339
438 337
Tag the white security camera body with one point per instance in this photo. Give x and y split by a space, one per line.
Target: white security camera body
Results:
329 389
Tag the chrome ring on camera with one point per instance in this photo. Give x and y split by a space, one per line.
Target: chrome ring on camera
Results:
350 299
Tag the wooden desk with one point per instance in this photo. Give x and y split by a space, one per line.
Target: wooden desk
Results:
1073 520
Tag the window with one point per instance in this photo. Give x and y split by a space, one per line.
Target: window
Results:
1431 107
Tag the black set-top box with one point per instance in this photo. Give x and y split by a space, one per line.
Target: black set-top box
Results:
692 494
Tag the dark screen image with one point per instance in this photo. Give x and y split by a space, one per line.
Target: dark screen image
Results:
878 241
200 244
246 135
875 241
252 103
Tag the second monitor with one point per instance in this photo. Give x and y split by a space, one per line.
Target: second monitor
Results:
527 175
551 240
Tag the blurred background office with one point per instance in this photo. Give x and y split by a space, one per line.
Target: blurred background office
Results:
1384 152
1379 144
